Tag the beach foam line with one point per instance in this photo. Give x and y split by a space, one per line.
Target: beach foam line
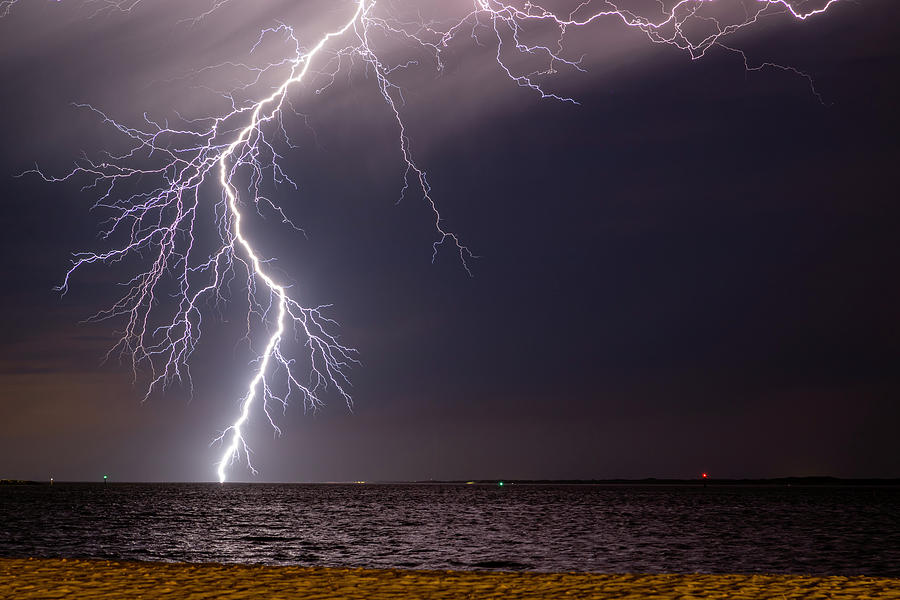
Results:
89 579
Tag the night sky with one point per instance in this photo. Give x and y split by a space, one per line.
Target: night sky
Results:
695 269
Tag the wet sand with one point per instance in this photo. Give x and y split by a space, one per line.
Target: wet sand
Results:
60 578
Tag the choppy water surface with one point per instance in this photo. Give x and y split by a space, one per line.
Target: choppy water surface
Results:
651 529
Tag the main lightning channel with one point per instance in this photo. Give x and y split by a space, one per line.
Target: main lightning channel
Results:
158 225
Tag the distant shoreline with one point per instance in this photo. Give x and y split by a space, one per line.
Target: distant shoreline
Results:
25 579
776 481
696 481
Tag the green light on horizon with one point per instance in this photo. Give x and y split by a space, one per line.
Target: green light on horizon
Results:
105 477
500 483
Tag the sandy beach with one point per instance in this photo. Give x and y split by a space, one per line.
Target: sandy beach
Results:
60 578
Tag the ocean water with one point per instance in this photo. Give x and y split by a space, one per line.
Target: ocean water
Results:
609 529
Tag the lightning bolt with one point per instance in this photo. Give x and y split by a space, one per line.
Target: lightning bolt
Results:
284 302
157 225
6 6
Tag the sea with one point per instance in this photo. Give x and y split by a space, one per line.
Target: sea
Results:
818 530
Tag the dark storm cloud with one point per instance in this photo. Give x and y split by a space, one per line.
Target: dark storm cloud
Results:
692 269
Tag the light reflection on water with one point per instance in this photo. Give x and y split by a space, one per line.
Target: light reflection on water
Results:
649 529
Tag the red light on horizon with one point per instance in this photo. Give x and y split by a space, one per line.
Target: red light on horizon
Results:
705 475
